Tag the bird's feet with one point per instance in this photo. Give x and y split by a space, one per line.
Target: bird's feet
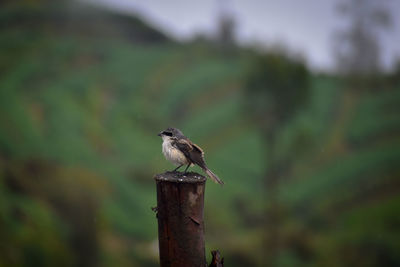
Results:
176 169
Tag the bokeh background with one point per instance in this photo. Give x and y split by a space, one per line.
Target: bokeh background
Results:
296 104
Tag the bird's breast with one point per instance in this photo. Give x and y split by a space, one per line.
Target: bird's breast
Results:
173 154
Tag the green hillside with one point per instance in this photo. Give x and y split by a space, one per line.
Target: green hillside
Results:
79 115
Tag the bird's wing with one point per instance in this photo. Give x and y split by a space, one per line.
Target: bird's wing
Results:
192 151
184 146
196 155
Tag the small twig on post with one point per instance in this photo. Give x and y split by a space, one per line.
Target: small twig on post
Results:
216 261
180 205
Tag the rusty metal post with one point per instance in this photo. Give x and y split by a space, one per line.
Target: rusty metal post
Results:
180 205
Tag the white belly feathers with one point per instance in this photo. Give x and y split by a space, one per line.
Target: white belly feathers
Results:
172 154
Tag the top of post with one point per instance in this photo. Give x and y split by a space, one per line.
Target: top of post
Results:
180 177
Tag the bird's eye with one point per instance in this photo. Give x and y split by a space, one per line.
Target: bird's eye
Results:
167 133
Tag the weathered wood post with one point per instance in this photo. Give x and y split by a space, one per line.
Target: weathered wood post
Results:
180 205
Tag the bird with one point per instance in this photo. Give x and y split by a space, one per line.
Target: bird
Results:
179 150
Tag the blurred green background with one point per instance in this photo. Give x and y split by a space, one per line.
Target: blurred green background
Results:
310 160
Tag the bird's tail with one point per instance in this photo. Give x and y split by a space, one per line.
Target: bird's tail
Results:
213 176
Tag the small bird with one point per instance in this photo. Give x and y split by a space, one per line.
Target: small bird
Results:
179 150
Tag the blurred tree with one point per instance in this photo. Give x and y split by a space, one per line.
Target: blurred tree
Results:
226 25
357 47
276 88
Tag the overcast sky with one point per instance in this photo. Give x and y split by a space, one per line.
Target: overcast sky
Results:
304 26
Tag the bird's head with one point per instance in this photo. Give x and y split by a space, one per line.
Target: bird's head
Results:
171 133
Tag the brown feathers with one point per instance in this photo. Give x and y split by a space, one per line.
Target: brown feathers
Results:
195 154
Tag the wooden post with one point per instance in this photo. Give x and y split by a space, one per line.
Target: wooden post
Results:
180 205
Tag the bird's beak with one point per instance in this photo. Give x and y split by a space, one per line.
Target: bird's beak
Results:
159 134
